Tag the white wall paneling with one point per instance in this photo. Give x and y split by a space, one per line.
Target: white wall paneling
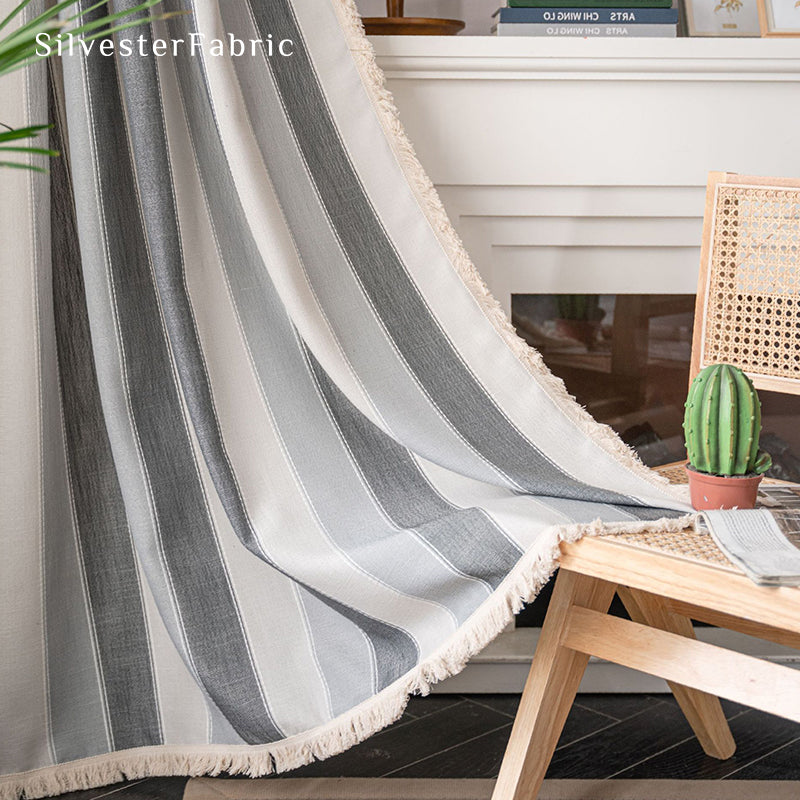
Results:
571 165
580 165
580 239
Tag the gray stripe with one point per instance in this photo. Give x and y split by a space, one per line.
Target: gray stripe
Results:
344 507
153 175
395 652
650 514
110 370
106 550
142 91
408 320
75 696
467 538
189 543
343 652
403 405
580 511
263 316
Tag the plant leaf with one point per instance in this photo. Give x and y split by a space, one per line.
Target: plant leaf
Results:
15 12
40 151
17 165
77 32
19 48
22 133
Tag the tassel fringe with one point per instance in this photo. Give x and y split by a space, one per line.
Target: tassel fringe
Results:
521 585
374 81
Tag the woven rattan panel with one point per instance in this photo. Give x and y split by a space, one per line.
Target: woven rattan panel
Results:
753 306
689 544
674 473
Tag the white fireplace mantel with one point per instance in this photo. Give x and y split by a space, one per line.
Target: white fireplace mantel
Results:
530 58
579 165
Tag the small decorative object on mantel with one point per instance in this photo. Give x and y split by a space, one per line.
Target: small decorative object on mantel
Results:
779 17
721 17
722 427
394 23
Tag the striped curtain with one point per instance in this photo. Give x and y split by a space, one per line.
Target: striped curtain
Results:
273 458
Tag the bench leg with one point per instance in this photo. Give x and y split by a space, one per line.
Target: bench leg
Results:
703 711
550 690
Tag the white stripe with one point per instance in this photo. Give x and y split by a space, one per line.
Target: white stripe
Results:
275 627
23 712
523 400
267 225
272 494
182 706
401 408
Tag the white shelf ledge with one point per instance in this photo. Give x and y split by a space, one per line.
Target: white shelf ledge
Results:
522 58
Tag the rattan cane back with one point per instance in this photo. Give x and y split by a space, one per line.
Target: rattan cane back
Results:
748 297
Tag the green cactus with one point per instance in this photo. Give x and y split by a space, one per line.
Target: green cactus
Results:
722 424
579 307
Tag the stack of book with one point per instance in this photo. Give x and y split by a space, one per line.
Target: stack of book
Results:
587 18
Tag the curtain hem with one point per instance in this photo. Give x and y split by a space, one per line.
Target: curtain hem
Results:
521 585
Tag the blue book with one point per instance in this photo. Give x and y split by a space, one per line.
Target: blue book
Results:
588 16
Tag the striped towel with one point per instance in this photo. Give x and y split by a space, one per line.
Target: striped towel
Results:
273 458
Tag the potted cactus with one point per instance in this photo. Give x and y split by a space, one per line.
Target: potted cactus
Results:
579 317
722 426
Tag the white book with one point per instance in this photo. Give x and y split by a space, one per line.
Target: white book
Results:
557 29
765 541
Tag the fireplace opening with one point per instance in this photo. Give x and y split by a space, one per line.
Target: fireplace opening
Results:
625 357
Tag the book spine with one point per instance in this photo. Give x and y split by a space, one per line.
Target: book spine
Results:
625 31
582 16
590 3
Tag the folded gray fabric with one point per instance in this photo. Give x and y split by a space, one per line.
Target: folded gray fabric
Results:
273 458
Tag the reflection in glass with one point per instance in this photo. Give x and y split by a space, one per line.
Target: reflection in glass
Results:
626 358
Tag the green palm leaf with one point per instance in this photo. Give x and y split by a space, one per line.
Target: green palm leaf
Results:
19 48
17 135
22 133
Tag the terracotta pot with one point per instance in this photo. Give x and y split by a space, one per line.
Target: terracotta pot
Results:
582 330
720 491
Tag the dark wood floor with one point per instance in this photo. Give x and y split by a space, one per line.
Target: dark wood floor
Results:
606 736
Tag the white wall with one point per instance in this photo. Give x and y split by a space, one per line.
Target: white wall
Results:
580 165
476 13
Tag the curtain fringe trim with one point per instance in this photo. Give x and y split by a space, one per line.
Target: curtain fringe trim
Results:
522 584
428 198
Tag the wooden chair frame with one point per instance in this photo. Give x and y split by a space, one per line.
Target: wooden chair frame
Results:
663 593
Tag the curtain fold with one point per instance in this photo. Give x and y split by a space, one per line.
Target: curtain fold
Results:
276 459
